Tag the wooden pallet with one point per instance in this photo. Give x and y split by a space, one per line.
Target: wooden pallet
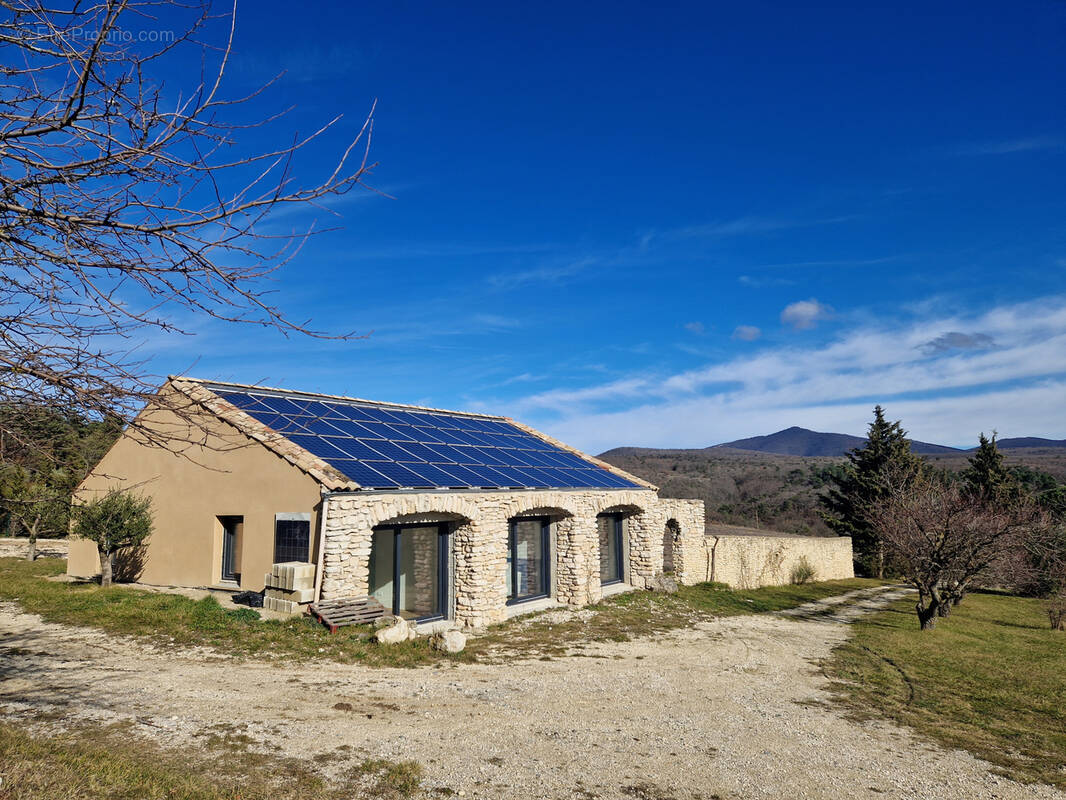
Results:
346 611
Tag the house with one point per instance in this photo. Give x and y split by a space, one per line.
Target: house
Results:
440 515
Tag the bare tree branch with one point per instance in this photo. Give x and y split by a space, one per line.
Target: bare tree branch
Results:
122 207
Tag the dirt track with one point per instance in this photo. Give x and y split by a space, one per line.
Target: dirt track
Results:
733 707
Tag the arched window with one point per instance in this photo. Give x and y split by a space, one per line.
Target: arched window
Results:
528 559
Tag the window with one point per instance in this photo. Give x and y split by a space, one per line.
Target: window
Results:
292 538
409 570
232 528
528 559
612 554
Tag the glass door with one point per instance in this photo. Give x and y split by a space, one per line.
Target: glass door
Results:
408 570
612 565
528 559
231 529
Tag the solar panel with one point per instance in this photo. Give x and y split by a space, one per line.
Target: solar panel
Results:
388 448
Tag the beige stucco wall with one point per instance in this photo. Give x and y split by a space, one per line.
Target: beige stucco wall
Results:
747 562
225 474
479 522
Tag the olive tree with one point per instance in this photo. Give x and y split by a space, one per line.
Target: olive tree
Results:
116 521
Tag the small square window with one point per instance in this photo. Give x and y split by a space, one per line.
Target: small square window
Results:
292 538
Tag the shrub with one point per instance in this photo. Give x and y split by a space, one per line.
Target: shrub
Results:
803 572
1056 612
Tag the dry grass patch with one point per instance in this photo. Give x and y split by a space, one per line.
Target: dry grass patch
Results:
107 764
635 614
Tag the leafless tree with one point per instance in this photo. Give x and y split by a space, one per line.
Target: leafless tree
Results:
126 205
942 538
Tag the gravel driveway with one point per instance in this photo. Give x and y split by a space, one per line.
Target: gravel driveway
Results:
736 707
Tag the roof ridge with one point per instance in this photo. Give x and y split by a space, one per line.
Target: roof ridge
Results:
207 384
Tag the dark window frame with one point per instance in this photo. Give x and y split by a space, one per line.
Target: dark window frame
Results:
546 571
229 547
289 548
443 561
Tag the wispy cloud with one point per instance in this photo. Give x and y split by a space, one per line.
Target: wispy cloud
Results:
1016 387
763 283
805 314
695 327
1008 146
739 226
747 333
547 273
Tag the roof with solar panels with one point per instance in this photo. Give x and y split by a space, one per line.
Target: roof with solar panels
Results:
349 444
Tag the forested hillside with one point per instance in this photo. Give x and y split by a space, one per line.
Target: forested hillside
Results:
780 492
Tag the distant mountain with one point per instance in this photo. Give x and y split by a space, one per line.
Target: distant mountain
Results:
1028 441
797 441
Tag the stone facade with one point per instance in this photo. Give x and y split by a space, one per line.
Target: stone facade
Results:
660 534
479 539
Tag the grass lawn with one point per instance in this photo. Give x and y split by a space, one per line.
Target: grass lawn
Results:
170 619
106 764
990 679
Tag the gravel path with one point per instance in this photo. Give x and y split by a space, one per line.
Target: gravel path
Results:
734 707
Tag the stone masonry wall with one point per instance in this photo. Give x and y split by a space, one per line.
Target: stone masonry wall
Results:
479 540
685 542
48 548
747 562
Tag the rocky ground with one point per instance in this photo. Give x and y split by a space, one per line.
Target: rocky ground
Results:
736 707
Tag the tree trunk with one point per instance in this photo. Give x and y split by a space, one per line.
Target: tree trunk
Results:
105 568
927 616
943 609
31 546
957 598
880 560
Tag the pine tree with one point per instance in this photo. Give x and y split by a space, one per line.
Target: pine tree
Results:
988 479
861 484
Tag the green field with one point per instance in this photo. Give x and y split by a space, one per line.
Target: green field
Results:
990 679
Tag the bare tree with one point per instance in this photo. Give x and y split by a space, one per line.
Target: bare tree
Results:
942 538
127 205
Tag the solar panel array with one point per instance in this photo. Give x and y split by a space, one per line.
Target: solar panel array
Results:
389 448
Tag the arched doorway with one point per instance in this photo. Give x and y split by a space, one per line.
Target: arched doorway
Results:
671 536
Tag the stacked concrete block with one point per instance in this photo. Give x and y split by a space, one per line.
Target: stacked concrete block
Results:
289 587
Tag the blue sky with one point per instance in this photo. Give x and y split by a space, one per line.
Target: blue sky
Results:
635 225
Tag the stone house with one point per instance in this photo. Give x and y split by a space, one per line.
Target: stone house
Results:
441 515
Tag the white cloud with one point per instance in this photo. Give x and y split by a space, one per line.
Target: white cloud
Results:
695 327
805 314
1017 387
746 333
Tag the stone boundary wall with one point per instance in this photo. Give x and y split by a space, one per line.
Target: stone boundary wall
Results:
15 547
747 562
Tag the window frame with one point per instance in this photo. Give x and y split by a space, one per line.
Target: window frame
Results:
512 559
444 534
294 517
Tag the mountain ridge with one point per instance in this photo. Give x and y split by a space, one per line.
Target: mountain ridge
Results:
797 441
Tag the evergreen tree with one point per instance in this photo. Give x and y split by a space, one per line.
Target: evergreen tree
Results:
854 490
988 479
